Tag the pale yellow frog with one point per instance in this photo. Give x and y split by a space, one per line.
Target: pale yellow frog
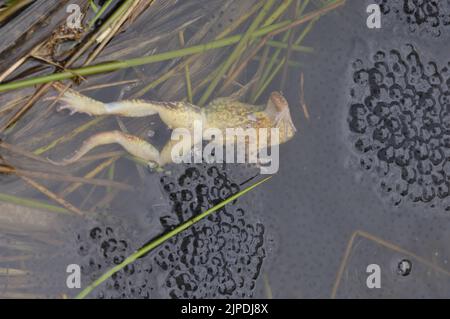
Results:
220 113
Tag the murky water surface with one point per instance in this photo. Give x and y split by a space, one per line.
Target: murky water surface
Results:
367 173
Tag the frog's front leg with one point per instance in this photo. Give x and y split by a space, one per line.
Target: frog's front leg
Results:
235 96
78 103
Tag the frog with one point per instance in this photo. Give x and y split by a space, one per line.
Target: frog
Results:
221 113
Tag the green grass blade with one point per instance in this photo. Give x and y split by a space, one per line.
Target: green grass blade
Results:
277 13
70 135
187 73
117 65
32 203
237 51
93 6
270 77
267 70
99 13
12 8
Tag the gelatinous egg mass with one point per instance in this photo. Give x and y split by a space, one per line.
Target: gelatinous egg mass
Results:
426 17
105 246
219 257
399 119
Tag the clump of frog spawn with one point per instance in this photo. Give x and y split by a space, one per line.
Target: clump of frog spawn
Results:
399 120
221 256
103 246
427 17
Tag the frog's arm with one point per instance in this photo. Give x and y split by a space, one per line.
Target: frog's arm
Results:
235 96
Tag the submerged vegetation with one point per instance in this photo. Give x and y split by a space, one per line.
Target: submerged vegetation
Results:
145 48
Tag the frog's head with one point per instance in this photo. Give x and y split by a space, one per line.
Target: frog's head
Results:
278 101
278 109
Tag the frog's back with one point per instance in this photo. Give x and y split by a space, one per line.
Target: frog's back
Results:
179 114
227 113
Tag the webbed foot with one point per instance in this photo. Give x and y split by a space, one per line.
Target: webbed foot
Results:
77 103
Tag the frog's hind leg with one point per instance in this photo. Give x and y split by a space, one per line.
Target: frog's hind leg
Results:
78 103
132 144
135 146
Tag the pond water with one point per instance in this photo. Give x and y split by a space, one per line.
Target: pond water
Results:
364 181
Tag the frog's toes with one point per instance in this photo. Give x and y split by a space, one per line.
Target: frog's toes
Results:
77 103
63 107
153 166
72 109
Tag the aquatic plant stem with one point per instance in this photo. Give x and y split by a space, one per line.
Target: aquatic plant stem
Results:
289 49
64 177
32 203
277 13
93 6
167 75
152 245
264 80
12 9
108 24
111 32
187 75
113 66
237 52
99 13
52 196
85 46
67 137
265 70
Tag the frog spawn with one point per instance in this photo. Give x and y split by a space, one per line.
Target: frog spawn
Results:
428 17
103 247
219 257
399 121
